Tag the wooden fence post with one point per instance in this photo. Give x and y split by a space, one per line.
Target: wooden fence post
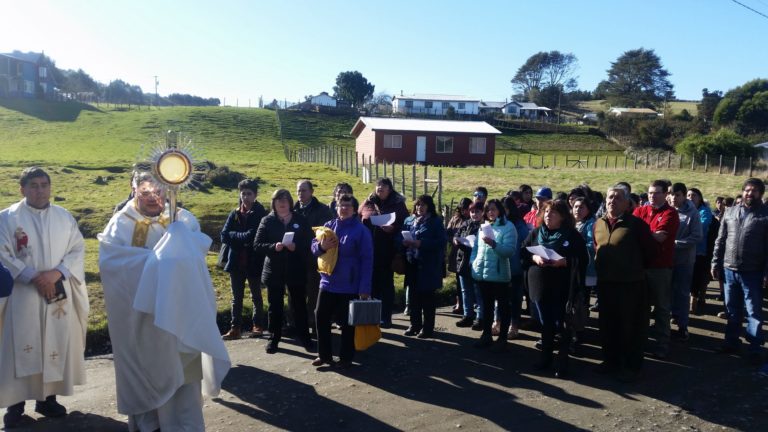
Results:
735 161
625 162
529 160
669 158
440 189
587 165
647 157
706 162
505 161
377 168
615 161
413 181
385 168
750 166
720 168
554 161
605 164
426 186
635 159
402 177
542 161
693 162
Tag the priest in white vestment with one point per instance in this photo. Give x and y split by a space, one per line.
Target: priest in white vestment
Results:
44 320
161 311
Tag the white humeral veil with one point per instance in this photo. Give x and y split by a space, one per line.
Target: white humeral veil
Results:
161 311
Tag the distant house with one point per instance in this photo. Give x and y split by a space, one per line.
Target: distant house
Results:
434 104
433 142
24 75
633 112
527 110
491 107
762 150
323 99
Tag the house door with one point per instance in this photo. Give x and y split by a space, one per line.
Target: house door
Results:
421 149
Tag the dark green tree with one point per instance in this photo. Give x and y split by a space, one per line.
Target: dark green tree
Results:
637 79
353 87
745 108
546 73
708 104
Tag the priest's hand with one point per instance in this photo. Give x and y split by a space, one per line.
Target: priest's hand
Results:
45 282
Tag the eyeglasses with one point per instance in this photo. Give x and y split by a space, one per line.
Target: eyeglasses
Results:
150 194
478 194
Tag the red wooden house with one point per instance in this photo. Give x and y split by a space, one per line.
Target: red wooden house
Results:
432 142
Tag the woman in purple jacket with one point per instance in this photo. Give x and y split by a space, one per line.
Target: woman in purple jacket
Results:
350 279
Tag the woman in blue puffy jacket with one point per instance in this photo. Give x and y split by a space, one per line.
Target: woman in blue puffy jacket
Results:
496 242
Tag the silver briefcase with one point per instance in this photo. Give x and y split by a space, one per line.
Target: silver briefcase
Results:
364 312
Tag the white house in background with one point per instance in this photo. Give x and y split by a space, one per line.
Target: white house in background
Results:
491 107
323 99
527 110
434 104
633 112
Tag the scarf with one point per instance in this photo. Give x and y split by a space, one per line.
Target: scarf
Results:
552 239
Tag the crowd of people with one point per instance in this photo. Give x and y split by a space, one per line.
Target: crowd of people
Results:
538 261
646 259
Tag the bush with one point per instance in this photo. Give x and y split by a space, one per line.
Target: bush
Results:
223 177
723 142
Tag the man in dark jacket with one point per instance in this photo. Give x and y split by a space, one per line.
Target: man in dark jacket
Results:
741 258
243 263
623 245
316 214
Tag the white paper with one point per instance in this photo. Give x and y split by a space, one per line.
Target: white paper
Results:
287 238
383 220
407 235
468 241
543 252
486 231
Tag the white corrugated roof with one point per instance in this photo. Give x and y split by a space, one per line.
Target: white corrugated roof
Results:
762 145
418 125
436 97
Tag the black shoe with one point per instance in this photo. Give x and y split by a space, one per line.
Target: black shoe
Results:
465 322
561 373
477 325
410 331
681 335
50 408
12 421
484 342
385 325
500 345
538 344
424 334
271 347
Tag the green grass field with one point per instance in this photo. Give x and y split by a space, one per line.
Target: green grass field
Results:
78 143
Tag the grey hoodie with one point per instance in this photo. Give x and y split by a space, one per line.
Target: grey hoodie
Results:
688 234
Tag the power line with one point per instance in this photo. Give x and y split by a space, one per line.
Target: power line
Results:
753 10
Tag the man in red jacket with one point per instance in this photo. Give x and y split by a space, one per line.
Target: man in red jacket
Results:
663 220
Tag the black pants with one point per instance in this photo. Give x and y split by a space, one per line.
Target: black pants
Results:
496 292
701 273
422 302
383 288
334 306
275 295
237 280
552 317
623 323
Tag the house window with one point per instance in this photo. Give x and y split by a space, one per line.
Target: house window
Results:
29 87
446 105
462 105
477 145
43 72
393 141
409 104
444 144
428 104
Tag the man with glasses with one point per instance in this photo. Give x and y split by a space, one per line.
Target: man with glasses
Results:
480 195
44 319
162 312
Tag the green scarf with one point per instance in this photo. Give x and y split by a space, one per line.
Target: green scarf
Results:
550 239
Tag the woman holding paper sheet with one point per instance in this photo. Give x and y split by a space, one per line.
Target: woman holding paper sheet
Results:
424 241
284 237
349 279
490 268
555 279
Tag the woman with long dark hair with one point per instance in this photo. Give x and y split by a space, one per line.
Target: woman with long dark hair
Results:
425 254
554 284
460 214
490 268
704 250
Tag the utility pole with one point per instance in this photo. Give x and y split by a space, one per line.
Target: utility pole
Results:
157 99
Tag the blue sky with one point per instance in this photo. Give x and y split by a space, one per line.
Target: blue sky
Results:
240 50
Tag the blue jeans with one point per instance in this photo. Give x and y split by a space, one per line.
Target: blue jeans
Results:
468 302
682 275
744 292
